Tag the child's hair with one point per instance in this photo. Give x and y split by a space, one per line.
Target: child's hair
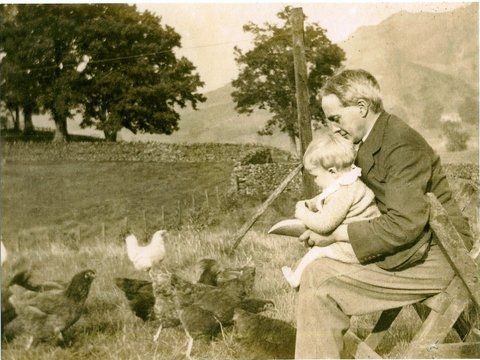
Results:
328 150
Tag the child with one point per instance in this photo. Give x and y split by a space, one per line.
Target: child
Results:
344 199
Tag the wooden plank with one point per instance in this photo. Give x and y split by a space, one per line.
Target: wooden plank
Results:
452 244
449 351
437 325
381 327
462 326
358 349
301 93
243 230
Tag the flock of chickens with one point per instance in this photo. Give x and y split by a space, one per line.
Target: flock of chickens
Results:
222 297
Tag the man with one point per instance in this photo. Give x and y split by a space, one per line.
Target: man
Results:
400 262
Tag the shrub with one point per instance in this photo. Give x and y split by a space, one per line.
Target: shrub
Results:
257 156
456 136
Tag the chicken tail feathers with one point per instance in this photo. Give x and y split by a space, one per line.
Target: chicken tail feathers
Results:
132 246
22 278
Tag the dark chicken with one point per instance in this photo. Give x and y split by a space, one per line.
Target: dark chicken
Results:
139 294
264 338
204 309
48 314
215 275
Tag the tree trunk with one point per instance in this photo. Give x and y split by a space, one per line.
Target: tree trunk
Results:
27 121
110 135
61 133
16 120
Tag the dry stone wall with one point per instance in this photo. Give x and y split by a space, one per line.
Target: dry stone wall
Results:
262 179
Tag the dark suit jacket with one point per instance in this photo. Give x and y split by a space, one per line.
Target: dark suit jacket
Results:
400 167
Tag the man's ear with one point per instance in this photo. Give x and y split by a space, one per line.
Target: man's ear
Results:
364 107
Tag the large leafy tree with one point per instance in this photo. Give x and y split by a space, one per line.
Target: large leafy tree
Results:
266 78
142 82
38 49
19 90
111 63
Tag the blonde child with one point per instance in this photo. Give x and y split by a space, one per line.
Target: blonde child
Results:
344 199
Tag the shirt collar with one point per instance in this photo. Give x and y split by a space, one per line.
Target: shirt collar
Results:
346 179
370 129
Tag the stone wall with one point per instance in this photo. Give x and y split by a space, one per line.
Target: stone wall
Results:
262 179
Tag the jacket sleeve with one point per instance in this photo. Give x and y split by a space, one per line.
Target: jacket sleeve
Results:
408 170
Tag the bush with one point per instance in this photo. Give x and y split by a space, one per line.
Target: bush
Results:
257 156
456 136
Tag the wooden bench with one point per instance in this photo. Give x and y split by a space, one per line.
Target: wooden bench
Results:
443 312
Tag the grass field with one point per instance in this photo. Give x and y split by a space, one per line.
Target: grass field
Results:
45 203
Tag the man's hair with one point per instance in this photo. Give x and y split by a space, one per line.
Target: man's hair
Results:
327 150
352 85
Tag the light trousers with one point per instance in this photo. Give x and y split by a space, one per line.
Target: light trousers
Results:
332 291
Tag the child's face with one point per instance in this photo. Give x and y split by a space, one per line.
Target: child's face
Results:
324 177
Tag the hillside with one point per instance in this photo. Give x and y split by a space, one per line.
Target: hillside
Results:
442 70
422 60
217 121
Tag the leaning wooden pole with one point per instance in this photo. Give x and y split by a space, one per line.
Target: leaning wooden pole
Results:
243 230
301 91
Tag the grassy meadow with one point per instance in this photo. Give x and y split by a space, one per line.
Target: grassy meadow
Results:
52 219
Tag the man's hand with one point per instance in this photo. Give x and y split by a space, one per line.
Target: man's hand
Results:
311 238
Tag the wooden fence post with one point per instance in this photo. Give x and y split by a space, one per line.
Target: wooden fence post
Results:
301 94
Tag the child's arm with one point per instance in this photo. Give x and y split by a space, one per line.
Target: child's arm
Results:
333 213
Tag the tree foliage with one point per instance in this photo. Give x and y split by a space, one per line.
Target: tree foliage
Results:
140 89
111 63
267 79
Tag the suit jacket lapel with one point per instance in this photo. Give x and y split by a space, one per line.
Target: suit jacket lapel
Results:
372 144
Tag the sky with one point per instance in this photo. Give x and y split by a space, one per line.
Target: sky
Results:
210 31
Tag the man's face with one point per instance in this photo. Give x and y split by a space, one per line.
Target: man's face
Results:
347 121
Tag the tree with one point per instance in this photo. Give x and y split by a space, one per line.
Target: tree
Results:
267 78
114 65
140 89
17 91
40 40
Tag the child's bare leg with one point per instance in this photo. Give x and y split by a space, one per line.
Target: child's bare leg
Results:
293 277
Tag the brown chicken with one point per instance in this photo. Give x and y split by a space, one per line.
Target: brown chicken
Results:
139 294
215 275
48 314
164 308
205 309
8 311
264 338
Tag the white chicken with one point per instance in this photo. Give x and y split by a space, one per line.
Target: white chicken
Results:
144 257
3 253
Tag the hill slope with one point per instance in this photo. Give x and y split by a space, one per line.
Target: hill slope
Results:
420 59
